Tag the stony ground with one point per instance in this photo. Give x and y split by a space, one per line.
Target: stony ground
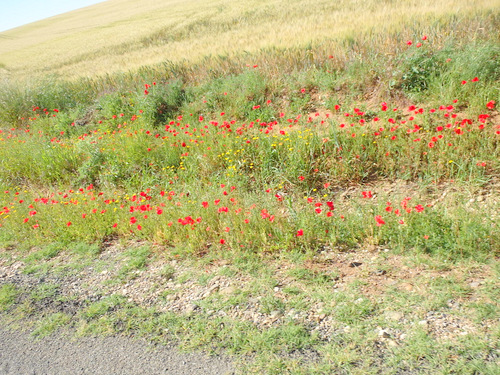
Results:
151 287
411 294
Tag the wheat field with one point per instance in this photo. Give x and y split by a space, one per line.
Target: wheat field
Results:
122 35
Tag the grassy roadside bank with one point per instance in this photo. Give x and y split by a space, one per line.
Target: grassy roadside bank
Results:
368 311
312 210
227 163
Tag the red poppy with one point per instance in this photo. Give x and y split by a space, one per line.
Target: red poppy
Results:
367 194
379 220
300 232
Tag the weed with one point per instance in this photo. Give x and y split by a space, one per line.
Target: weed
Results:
8 294
47 252
136 259
50 324
101 307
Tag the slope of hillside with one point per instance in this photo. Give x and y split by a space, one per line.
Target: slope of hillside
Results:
119 35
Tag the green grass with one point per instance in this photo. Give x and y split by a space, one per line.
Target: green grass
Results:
47 252
50 324
8 293
136 260
100 308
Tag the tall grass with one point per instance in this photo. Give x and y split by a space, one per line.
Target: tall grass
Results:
116 36
256 150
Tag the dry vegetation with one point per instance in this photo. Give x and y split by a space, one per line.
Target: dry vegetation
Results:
126 34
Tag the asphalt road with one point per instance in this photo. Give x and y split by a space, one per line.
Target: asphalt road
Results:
21 354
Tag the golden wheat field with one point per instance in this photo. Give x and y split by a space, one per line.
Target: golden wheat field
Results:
120 35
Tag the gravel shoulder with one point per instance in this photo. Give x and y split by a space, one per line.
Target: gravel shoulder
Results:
22 354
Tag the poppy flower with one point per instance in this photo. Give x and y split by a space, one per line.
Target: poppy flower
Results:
300 232
367 194
379 220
